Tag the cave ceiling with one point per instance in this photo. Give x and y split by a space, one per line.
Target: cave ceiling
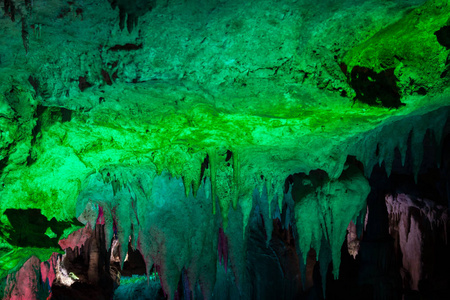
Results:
244 93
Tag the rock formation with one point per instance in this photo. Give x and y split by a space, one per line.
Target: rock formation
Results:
224 149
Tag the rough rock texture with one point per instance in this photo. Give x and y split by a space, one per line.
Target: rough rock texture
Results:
182 129
76 239
24 283
33 280
398 50
48 270
213 77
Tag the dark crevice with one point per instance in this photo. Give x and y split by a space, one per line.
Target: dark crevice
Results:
4 161
10 9
229 155
44 117
376 89
40 109
273 268
126 47
422 91
106 77
82 83
443 36
31 159
204 166
352 161
445 73
91 262
115 76
34 83
66 115
288 182
303 184
28 227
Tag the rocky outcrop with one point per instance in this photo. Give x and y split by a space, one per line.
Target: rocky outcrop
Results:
33 280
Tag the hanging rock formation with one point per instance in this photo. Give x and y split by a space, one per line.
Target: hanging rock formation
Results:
220 149
418 227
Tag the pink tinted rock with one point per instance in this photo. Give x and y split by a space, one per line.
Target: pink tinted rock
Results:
223 248
23 283
76 239
101 216
410 221
48 269
352 240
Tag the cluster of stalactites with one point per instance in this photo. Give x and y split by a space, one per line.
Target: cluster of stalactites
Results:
405 135
175 230
400 207
24 9
323 214
411 221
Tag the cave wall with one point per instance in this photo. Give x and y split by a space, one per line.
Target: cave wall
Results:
223 148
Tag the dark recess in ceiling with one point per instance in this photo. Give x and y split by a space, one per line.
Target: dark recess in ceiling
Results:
131 10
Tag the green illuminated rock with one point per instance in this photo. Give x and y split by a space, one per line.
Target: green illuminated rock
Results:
224 100
405 45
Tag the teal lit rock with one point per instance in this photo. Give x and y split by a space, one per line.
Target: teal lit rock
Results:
196 131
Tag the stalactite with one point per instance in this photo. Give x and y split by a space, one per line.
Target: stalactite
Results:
325 258
186 285
10 9
223 248
25 39
409 219
237 247
236 175
28 277
76 239
149 211
212 166
321 214
374 148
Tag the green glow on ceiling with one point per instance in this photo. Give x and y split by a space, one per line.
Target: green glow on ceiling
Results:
272 132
